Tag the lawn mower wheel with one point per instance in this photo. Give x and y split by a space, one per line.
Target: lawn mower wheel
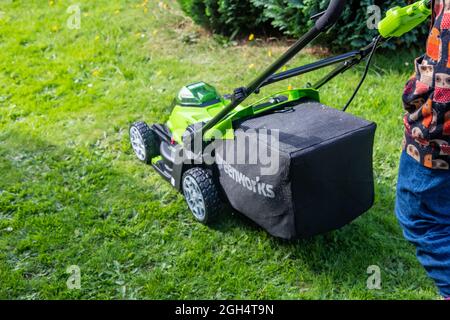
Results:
144 142
202 195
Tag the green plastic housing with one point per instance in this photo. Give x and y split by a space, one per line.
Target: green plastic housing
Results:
200 102
399 21
199 94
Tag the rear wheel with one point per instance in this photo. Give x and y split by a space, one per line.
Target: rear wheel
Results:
144 142
202 195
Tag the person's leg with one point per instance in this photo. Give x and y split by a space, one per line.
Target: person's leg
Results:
423 210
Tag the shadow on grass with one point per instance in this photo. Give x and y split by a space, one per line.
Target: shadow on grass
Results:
342 258
338 259
64 206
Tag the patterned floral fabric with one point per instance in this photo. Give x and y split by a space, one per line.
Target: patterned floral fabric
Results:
427 97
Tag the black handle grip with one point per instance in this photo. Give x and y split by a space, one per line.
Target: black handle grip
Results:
331 16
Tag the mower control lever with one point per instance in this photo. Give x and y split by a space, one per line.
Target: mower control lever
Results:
318 15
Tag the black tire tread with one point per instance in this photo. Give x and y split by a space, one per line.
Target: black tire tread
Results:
213 202
150 140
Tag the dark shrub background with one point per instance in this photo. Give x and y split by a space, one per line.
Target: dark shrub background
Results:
235 18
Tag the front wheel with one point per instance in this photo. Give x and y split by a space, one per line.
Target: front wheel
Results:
144 142
202 195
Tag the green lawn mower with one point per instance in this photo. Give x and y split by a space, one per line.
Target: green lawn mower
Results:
289 163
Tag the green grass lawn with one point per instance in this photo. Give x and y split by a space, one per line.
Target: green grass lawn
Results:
72 192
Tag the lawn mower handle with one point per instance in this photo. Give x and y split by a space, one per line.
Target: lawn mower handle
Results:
326 21
331 15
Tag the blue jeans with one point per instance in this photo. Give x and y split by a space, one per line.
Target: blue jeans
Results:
423 210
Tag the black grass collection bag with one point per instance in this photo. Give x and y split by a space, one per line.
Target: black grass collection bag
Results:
323 178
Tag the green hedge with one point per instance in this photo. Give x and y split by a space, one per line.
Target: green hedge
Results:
292 17
227 17
185 5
